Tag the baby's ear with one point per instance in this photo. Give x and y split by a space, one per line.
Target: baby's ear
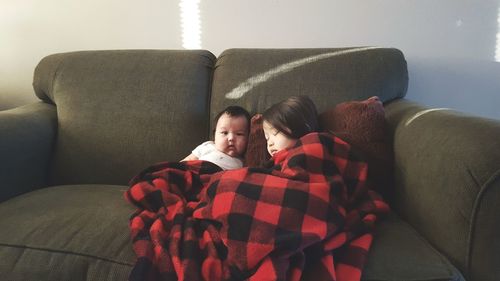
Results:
256 154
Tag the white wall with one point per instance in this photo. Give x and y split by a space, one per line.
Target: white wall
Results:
450 45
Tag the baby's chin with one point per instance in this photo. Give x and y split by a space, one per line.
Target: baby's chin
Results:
232 153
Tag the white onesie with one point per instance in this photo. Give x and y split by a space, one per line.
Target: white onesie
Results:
207 151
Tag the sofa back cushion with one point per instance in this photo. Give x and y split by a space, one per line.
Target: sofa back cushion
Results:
258 78
120 111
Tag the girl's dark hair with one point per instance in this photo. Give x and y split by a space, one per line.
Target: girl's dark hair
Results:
294 117
233 111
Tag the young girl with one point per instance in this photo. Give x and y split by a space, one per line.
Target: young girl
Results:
287 121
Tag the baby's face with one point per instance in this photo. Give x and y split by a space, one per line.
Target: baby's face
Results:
276 140
231 135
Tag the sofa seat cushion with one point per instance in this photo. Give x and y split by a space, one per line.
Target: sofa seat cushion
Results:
77 232
80 232
399 253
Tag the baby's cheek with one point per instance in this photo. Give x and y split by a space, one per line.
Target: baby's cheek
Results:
219 145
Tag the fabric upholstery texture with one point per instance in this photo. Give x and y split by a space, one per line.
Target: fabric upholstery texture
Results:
121 111
66 233
400 253
27 137
448 181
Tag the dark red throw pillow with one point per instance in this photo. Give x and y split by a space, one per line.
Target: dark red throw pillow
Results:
363 125
256 154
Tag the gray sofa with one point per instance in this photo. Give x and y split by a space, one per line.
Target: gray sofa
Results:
105 115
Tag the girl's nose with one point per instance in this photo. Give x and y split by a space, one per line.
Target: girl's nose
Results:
372 100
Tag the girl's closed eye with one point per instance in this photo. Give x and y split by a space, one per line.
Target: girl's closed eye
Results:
276 139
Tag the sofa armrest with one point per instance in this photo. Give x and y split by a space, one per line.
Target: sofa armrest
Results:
27 135
447 176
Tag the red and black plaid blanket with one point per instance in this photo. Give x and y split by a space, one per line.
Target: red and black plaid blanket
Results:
309 216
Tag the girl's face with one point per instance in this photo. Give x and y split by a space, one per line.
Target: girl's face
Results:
276 140
231 135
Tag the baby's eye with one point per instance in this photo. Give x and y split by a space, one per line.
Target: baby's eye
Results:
240 134
223 132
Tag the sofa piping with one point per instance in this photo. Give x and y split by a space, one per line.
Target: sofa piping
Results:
484 188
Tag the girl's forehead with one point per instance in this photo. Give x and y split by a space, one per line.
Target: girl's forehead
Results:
267 126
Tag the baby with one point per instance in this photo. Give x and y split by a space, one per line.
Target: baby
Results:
287 121
232 127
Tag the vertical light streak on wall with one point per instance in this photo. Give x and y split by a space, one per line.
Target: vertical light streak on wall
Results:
190 23
497 50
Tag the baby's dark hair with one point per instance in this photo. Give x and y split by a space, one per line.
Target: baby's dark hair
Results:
295 117
233 111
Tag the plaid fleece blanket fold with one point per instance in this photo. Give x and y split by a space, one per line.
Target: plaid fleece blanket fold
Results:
308 217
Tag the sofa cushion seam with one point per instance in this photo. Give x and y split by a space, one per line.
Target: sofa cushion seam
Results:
65 252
